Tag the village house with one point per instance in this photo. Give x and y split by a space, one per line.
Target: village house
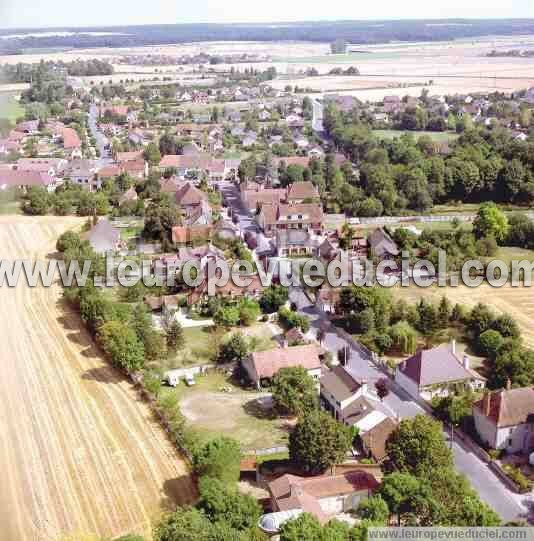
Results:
435 372
505 419
327 299
375 439
264 365
128 196
11 178
300 192
295 243
194 204
339 390
71 143
252 289
103 237
53 167
191 234
323 496
84 173
135 168
381 245
307 216
122 157
254 196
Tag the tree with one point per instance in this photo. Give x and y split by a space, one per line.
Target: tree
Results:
152 154
224 503
184 525
417 447
160 217
294 391
227 316
38 201
506 326
444 313
427 320
249 311
304 527
318 442
491 222
68 241
374 509
122 345
489 343
273 298
234 350
175 335
219 458
480 320
382 388
406 495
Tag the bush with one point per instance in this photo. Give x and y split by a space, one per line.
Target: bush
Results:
523 484
219 458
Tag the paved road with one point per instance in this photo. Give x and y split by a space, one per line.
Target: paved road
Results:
245 221
101 139
506 503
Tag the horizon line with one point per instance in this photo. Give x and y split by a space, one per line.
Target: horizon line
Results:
267 23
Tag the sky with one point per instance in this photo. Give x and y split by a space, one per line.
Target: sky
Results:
47 13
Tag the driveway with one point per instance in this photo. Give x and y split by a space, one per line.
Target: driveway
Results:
506 503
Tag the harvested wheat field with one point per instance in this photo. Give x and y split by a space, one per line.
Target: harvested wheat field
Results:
516 301
79 452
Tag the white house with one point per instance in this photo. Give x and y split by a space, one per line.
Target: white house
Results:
434 372
322 496
505 419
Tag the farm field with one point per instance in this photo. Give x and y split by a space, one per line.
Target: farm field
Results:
518 302
80 452
448 67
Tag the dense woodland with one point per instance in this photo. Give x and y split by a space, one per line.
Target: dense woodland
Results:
410 174
351 31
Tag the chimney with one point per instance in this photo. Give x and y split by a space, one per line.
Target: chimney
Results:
364 387
486 403
453 346
508 384
465 362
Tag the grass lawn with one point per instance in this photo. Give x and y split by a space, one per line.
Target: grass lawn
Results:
9 203
196 351
436 136
509 254
10 107
240 414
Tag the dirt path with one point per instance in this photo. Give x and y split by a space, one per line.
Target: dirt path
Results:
78 451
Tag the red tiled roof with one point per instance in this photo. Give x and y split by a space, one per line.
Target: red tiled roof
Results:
70 138
129 156
181 235
293 492
302 190
268 363
188 195
509 407
24 178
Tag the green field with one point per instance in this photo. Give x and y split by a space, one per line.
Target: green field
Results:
10 107
436 136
